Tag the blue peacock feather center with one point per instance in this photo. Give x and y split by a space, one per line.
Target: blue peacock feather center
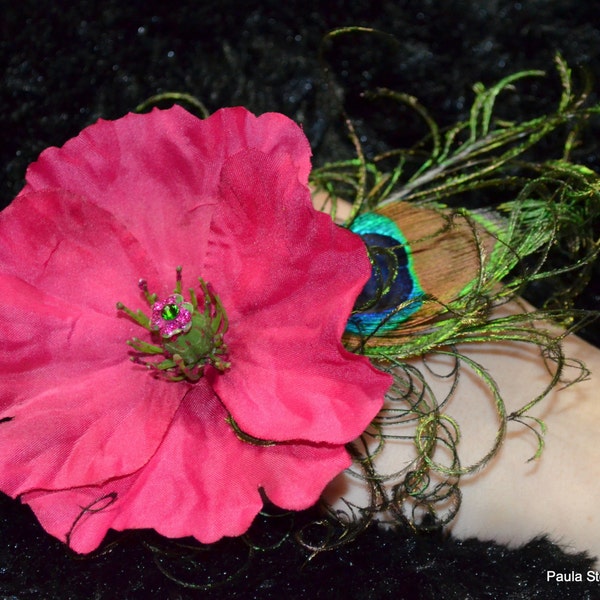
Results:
392 293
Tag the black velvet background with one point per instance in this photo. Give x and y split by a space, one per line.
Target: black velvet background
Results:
65 64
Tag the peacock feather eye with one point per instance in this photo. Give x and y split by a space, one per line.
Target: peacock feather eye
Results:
393 292
428 266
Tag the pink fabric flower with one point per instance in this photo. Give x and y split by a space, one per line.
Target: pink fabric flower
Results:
91 440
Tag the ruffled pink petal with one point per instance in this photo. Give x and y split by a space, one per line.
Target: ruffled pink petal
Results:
76 411
288 278
104 424
75 251
46 340
213 492
159 172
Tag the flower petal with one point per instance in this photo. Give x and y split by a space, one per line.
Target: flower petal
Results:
104 424
288 278
46 340
73 399
159 172
208 496
60 284
75 251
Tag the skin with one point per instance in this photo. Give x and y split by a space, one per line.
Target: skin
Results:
513 499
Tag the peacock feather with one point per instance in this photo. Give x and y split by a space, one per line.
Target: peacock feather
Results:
438 268
443 266
427 263
393 293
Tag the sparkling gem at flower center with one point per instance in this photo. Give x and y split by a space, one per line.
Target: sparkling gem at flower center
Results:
170 312
188 334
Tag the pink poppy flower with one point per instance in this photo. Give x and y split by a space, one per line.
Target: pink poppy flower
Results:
92 440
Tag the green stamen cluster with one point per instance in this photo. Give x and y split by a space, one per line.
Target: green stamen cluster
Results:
186 349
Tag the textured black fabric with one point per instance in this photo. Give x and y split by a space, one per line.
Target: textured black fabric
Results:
378 564
65 64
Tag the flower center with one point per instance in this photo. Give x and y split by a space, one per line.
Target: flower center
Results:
172 315
188 335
